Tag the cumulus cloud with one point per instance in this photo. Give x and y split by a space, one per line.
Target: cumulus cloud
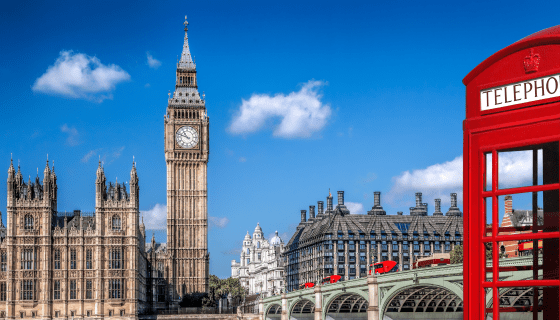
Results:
72 138
355 207
80 76
301 113
439 180
153 62
217 222
156 217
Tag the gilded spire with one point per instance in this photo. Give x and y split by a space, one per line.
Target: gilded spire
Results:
186 61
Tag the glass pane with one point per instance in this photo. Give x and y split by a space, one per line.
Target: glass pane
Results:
488 173
528 262
488 261
517 213
526 166
488 214
519 302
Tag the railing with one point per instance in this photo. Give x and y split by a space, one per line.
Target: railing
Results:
202 310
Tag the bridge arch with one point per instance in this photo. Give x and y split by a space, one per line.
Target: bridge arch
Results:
273 312
424 297
352 302
302 308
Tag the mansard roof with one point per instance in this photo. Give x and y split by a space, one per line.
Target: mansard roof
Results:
367 224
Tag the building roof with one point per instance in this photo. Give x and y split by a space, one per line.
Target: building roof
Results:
159 247
186 61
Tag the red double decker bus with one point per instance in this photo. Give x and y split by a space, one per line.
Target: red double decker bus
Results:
331 279
306 285
382 267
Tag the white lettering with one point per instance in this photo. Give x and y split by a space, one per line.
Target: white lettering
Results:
520 92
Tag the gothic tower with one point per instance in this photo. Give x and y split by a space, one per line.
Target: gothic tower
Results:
186 156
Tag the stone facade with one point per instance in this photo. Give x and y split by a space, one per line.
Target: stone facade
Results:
186 155
337 242
61 265
98 265
261 267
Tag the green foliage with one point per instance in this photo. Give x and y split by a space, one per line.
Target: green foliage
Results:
222 287
457 254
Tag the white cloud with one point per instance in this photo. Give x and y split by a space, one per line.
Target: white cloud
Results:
355 207
217 222
302 113
242 159
72 139
439 180
77 75
152 62
90 154
156 218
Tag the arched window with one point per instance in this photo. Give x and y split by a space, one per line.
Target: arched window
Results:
248 251
28 224
258 244
116 223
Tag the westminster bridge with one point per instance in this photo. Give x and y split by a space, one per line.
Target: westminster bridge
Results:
426 293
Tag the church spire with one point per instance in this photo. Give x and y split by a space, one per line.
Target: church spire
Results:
186 61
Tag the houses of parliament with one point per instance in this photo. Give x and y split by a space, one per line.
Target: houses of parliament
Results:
95 265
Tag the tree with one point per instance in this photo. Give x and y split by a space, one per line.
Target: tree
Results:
457 254
222 287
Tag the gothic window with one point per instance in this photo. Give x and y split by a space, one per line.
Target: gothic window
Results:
72 289
57 259
3 261
116 223
28 223
160 269
27 290
27 259
115 259
115 289
73 259
161 293
89 255
56 295
88 289
3 291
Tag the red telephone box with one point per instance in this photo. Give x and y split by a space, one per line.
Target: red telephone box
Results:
511 151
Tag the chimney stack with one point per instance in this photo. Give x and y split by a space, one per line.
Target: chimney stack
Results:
418 199
399 213
340 198
453 199
377 198
311 212
508 205
303 216
329 202
438 208
319 208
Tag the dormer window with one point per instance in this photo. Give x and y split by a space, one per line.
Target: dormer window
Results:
116 223
28 223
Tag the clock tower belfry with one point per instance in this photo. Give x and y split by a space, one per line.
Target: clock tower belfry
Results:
186 156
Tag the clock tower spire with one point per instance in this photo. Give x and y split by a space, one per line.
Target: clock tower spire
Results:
186 156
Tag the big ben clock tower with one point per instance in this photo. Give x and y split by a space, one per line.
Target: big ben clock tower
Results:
186 156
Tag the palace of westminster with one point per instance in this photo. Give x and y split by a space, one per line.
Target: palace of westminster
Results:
98 265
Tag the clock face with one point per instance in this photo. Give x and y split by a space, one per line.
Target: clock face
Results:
187 137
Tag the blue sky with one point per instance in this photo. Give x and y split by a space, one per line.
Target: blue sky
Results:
380 80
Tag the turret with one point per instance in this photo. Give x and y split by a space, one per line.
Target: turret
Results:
134 189
100 186
11 184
